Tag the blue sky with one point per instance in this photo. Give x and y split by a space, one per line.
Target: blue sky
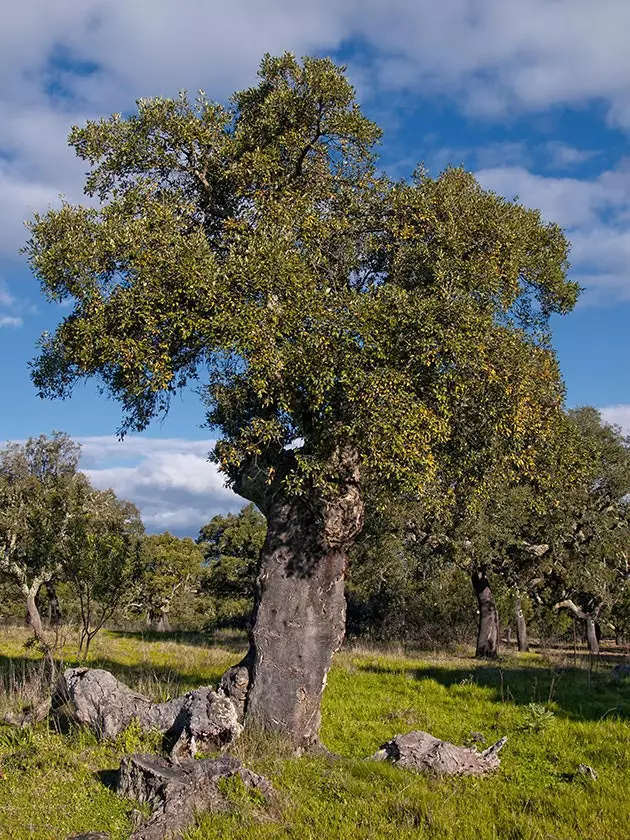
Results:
531 95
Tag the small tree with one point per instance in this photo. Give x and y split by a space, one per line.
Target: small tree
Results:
40 491
170 565
101 558
232 545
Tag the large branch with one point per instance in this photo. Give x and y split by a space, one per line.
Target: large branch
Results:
569 605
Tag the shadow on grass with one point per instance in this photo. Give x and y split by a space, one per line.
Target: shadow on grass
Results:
578 693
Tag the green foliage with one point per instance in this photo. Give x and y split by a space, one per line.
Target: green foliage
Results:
101 557
39 492
232 546
170 567
405 322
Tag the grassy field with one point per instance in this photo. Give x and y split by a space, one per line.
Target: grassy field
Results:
556 716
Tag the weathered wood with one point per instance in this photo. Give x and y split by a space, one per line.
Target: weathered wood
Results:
424 753
30 715
175 792
590 619
199 721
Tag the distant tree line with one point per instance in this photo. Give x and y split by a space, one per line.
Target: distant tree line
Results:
545 558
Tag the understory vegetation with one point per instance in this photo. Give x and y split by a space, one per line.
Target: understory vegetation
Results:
557 713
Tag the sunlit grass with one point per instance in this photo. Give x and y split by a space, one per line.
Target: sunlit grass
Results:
555 717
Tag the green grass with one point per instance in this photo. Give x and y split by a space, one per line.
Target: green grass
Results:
555 717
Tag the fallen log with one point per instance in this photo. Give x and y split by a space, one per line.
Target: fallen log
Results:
199 721
422 752
175 792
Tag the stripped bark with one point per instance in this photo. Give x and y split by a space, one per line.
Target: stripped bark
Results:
176 792
199 721
299 617
422 752
521 627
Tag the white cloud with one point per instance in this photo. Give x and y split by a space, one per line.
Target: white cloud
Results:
562 156
65 61
9 308
595 213
618 415
169 479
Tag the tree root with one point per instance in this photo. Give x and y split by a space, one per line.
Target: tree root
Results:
199 721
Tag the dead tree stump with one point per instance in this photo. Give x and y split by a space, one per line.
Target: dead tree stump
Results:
175 792
424 753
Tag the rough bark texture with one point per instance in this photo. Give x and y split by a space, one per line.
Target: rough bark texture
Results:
175 793
159 621
521 627
299 618
196 722
591 636
424 753
34 618
32 714
488 630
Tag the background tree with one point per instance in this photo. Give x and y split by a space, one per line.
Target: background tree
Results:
101 558
231 546
169 565
389 328
590 560
39 492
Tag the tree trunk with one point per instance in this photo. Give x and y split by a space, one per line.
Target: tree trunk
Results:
591 636
34 618
619 635
299 618
521 627
159 621
54 611
488 631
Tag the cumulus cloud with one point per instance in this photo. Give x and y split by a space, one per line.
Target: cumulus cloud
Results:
595 213
618 415
63 62
169 479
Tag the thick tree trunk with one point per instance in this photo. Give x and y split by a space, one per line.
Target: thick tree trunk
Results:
488 630
159 621
299 618
521 627
34 618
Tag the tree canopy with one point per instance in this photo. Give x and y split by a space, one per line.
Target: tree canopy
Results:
258 248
